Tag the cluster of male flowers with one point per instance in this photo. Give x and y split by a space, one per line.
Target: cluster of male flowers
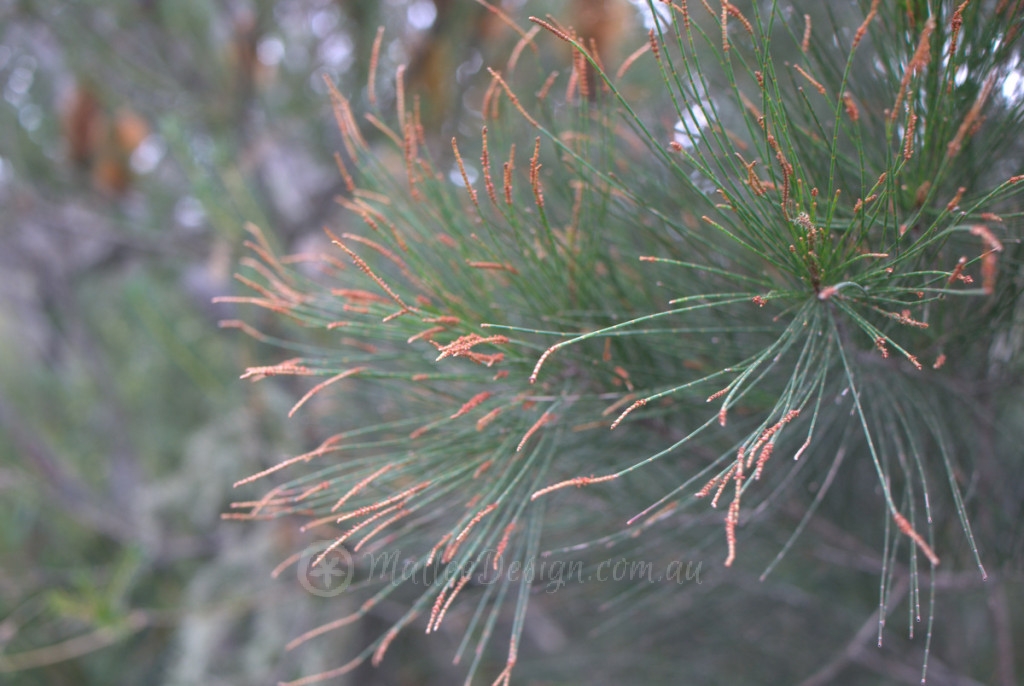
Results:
777 248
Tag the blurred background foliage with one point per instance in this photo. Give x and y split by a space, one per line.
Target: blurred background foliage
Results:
136 138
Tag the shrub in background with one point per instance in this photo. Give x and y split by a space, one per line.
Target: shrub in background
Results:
761 276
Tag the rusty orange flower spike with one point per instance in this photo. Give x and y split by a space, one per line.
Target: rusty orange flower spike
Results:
465 177
460 347
507 21
633 57
572 85
371 79
988 258
557 32
350 135
540 362
734 11
494 266
548 83
637 405
513 99
243 327
863 28
544 419
580 66
399 262
482 423
360 486
400 95
904 527
288 367
437 547
325 447
957 270
732 518
655 49
362 511
385 643
880 344
324 384
967 125
513 57
908 137
451 598
954 27
411 156
503 543
350 184
399 514
578 481
471 403
485 162
473 522
851 107
955 200
365 268
535 166
752 179
508 168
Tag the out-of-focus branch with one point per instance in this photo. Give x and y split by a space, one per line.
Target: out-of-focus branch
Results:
77 646
828 673
938 675
1002 624
65 489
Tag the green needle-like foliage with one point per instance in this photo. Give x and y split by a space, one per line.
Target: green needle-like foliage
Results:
763 237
